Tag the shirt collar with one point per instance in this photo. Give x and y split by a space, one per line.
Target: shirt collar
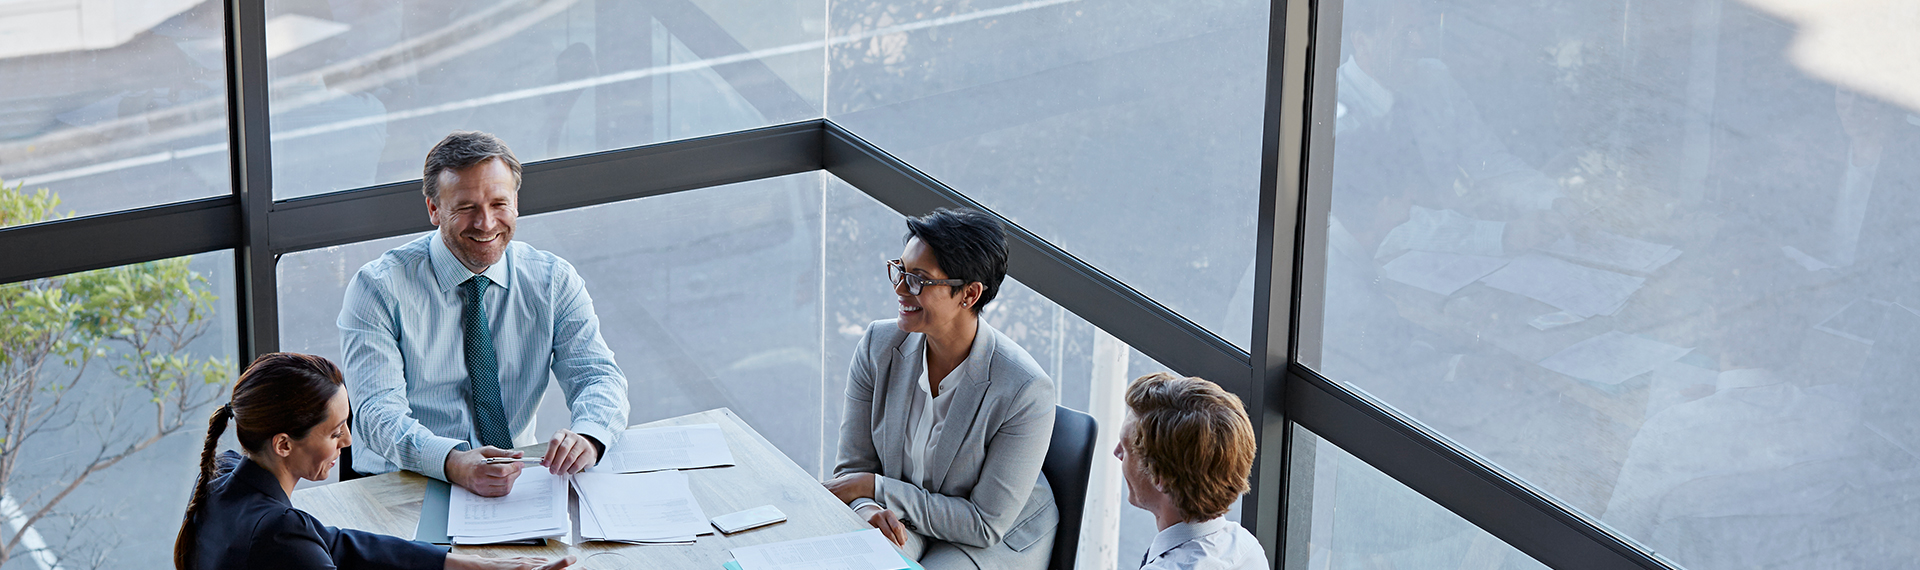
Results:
926 380
1182 533
448 272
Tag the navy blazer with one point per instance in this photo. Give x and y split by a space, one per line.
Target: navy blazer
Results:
247 522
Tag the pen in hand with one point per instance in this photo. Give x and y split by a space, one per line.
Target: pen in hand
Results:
502 460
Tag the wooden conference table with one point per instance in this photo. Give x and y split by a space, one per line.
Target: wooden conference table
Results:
390 504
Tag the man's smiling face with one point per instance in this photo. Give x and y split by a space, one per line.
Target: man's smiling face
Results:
476 210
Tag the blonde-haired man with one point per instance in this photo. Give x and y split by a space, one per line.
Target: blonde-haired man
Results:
1186 450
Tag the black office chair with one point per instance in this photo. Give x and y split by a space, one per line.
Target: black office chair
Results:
1069 463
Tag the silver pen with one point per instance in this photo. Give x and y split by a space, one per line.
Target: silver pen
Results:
501 460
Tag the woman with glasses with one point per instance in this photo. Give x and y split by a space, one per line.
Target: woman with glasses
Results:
289 412
947 420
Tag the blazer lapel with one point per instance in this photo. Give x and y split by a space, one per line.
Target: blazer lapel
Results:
899 383
970 388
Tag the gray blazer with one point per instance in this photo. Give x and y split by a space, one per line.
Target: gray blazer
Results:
989 498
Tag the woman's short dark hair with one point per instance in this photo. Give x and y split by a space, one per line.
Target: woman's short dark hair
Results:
460 150
968 244
279 393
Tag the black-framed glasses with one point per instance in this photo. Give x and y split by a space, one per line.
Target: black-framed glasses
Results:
898 273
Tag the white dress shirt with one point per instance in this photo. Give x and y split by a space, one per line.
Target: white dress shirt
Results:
405 361
1217 544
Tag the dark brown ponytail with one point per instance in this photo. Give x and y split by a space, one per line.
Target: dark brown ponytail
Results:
189 529
279 393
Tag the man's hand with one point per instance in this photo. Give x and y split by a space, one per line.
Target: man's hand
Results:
469 469
570 453
851 486
888 523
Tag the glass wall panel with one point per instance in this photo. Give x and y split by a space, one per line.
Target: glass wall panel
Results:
113 104
1654 258
109 376
741 296
708 299
1126 132
362 87
1359 518
1090 368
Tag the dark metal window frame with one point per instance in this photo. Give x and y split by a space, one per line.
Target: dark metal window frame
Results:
1280 393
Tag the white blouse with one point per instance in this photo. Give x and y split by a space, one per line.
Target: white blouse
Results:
927 414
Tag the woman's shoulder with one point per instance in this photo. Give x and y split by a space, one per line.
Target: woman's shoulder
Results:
279 524
882 334
1010 364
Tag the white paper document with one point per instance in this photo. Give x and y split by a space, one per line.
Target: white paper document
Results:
1613 357
673 447
862 550
1614 250
656 507
1577 289
1440 272
537 508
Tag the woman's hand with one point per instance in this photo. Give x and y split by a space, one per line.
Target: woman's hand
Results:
471 562
851 486
888 523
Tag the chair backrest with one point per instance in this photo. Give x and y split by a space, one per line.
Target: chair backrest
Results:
1069 464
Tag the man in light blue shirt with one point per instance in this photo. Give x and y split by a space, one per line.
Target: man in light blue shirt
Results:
1186 450
449 339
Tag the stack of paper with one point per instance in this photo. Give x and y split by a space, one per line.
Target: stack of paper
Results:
861 550
672 447
1574 288
1613 250
643 508
537 508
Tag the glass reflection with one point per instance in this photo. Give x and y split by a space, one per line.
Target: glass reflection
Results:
1360 518
114 104
109 376
1127 132
358 85
1651 258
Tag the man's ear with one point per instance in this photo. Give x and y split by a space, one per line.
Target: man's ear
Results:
433 212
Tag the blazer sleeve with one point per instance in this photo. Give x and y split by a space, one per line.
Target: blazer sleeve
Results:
295 540
857 454
1008 474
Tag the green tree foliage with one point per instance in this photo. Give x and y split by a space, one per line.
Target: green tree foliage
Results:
135 320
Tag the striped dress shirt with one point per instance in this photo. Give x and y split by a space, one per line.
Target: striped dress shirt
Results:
405 360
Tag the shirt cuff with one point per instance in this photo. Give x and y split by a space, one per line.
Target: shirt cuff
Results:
596 433
433 456
884 487
861 502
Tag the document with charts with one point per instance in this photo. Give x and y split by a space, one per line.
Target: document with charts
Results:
536 508
671 447
656 507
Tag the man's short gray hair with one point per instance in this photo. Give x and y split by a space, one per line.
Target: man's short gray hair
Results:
463 149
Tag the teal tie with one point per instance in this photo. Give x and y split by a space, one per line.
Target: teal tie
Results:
483 368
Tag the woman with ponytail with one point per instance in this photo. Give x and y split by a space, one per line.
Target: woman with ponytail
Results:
290 413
